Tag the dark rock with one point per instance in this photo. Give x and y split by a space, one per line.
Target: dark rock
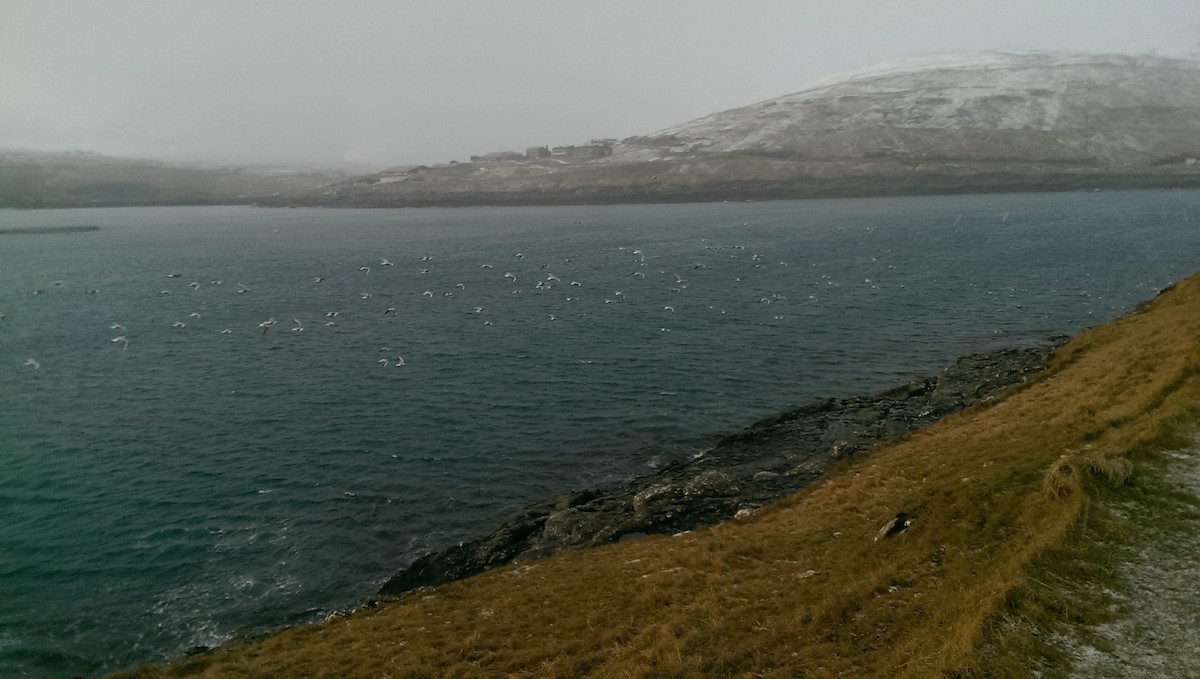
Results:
773 458
897 525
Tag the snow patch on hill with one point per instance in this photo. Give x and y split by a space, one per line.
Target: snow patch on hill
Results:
1112 107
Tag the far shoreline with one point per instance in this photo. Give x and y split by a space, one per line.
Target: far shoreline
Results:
49 229
759 191
714 192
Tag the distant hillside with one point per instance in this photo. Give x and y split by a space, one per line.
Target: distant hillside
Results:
980 122
39 180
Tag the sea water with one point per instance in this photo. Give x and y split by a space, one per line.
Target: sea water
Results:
176 469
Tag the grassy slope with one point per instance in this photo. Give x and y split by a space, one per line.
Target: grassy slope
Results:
803 588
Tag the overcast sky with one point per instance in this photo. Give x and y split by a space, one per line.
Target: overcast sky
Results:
415 81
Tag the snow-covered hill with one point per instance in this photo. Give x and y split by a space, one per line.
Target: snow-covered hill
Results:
1028 107
982 122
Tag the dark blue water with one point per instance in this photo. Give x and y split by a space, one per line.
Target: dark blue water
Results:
190 484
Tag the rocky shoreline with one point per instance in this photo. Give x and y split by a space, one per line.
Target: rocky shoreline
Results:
743 472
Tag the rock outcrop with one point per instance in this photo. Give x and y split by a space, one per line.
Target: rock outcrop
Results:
773 458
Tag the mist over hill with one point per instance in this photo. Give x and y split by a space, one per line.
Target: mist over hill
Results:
44 180
985 122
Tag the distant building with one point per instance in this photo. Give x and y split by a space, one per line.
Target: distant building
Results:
499 155
537 152
587 152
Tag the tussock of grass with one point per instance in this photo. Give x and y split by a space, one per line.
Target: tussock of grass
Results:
1062 479
1116 470
1002 496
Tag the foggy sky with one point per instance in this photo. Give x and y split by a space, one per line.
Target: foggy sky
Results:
397 82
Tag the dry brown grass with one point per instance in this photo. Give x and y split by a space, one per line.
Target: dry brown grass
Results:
1062 479
802 588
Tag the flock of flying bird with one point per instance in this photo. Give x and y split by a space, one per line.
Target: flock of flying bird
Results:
522 276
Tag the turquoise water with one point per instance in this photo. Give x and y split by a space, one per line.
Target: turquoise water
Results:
185 484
